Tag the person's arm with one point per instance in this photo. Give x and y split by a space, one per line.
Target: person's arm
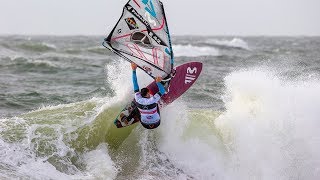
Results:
161 89
160 93
160 86
134 78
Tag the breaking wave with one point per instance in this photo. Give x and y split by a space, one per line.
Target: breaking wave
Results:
194 51
234 43
37 47
270 126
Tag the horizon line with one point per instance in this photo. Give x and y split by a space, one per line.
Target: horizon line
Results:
195 35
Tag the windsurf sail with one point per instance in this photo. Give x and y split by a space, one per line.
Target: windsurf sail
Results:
142 36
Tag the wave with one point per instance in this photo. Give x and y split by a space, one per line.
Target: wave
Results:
70 141
267 130
8 52
72 51
194 51
29 64
37 47
269 126
80 141
234 43
94 50
262 133
98 50
57 142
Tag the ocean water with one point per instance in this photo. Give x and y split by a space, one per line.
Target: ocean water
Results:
252 114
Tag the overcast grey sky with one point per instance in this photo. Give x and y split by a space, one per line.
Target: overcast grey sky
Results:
185 17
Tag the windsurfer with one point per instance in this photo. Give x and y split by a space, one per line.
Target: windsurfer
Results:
147 103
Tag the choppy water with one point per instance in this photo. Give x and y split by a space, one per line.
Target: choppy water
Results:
253 113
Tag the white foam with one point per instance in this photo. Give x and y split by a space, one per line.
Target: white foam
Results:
99 164
52 46
39 62
119 75
271 127
23 163
270 130
235 42
41 140
191 157
194 51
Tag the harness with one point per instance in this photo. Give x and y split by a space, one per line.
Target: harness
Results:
146 107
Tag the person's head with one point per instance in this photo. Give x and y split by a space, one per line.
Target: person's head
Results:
145 92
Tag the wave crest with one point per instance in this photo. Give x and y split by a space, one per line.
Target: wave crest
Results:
37 47
194 51
234 43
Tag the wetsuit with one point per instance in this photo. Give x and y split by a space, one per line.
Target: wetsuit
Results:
148 107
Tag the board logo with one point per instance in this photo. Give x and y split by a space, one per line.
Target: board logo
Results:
190 75
132 23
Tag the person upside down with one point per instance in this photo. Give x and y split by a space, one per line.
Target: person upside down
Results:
147 103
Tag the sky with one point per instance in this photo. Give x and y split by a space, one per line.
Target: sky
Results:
185 17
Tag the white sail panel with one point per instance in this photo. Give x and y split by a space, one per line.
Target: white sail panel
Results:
141 36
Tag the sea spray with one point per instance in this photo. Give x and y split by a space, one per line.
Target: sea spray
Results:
270 127
175 149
